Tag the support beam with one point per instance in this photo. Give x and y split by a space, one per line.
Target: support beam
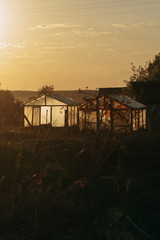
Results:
66 117
32 114
111 114
131 119
25 117
85 119
40 116
142 119
51 116
78 117
45 100
97 111
138 119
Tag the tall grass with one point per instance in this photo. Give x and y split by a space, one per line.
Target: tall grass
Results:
59 185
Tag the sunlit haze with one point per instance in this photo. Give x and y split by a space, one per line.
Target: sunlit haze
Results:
72 44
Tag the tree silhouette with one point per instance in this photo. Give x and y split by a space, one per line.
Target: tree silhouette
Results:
46 90
149 72
10 110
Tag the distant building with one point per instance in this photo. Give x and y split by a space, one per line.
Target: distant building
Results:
55 110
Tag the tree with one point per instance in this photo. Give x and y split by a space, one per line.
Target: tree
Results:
144 81
46 90
10 110
150 72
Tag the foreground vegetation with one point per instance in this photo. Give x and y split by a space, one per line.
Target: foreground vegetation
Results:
60 185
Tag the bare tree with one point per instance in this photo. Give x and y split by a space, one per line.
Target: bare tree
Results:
46 90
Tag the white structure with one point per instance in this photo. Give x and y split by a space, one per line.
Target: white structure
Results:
55 110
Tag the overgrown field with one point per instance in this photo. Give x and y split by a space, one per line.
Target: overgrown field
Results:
65 185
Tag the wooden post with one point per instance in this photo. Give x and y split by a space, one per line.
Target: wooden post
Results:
51 115
111 115
142 119
104 109
71 116
97 111
145 117
40 116
77 116
66 117
45 100
104 100
131 119
85 119
135 114
138 119
74 116
47 116
32 115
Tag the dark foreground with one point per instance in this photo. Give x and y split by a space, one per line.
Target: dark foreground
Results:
58 185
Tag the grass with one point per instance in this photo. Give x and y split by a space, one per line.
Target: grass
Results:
56 184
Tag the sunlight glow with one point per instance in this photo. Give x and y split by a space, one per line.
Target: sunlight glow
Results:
2 20
74 44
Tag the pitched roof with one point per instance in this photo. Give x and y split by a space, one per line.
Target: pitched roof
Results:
66 100
128 102
59 97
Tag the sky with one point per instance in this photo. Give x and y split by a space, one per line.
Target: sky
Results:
74 44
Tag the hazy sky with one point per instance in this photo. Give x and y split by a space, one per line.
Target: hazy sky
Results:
72 44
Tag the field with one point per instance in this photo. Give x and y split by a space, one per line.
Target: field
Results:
59 184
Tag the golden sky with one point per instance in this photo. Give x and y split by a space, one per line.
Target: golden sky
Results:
74 44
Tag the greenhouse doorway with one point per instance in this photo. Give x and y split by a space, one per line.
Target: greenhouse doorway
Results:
45 115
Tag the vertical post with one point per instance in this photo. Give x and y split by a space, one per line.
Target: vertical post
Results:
142 119
97 111
147 121
51 115
138 119
66 117
39 115
85 119
32 115
45 100
74 116
71 116
23 115
77 116
131 119
135 114
134 120
47 116
104 107
104 100
111 114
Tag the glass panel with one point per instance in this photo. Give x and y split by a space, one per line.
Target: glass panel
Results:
58 116
36 112
45 115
